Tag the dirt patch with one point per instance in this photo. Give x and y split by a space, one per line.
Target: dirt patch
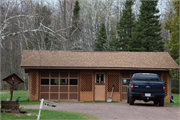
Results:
31 114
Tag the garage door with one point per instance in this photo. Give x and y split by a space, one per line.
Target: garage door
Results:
59 85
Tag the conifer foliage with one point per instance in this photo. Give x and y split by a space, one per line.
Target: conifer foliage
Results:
101 44
147 35
75 18
172 24
124 28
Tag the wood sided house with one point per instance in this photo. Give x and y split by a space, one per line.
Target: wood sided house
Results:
90 76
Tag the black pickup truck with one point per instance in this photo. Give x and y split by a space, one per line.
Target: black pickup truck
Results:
146 86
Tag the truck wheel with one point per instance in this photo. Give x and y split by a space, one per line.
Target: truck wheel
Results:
161 102
131 100
155 102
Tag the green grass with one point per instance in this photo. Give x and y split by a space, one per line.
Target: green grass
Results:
47 114
23 94
175 98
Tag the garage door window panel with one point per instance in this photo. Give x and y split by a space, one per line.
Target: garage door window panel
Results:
45 74
44 81
73 81
54 81
63 81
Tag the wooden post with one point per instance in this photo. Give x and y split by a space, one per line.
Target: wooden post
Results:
11 93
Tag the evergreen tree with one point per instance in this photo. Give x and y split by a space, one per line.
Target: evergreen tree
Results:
75 17
172 24
124 28
100 45
146 34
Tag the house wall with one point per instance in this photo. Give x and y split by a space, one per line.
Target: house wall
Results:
34 85
165 76
86 84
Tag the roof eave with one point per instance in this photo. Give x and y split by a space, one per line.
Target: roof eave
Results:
110 68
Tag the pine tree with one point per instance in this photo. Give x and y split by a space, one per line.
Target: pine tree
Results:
172 24
75 17
100 45
124 28
147 35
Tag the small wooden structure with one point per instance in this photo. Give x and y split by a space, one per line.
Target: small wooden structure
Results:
90 76
13 80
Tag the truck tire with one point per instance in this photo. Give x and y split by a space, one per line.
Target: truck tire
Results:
127 98
155 102
161 103
131 100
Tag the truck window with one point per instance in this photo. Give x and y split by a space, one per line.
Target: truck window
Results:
146 78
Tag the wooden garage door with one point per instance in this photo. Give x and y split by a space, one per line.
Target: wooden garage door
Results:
59 85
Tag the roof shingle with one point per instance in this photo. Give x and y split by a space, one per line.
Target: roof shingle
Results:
74 59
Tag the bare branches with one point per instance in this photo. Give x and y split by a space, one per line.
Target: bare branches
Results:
38 25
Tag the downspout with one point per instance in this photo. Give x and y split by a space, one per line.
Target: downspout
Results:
28 85
171 100
170 88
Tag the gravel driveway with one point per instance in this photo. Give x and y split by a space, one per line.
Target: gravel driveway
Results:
120 111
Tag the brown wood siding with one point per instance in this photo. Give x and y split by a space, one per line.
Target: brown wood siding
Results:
165 76
34 85
86 85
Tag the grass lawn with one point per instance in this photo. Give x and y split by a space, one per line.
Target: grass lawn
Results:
175 98
47 114
16 93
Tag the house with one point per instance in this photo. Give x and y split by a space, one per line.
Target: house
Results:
90 76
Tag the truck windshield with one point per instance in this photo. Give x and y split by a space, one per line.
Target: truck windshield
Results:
146 78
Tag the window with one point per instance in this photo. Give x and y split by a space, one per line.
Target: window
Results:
54 81
73 81
125 81
99 78
44 81
64 81
146 78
